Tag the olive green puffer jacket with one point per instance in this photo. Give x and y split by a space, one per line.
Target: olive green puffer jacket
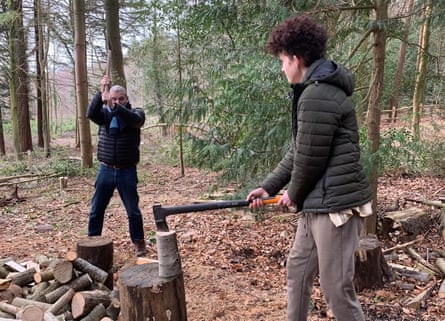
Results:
322 168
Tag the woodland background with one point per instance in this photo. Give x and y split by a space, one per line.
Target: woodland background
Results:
219 102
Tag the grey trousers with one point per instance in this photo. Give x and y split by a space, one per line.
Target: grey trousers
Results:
321 248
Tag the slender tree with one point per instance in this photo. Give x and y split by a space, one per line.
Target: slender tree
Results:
82 83
113 37
394 100
375 98
43 119
421 68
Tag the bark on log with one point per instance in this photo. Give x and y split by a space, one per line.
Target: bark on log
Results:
38 289
22 302
371 269
11 292
59 306
3 272
96 314
95 272
9 308
48 316
145 296
115 300
43 276
54 295
112 311
411 272
400 246
24 278
63 271
168 254
81 283
42 295
98 250
412 221
420 299
84 302
440 262
423 262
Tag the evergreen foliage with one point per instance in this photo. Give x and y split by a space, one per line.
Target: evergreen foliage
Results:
211 75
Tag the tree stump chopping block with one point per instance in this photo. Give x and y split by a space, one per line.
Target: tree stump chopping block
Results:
145 296
371 268
98 250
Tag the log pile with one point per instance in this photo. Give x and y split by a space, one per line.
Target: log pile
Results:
55 290
426 265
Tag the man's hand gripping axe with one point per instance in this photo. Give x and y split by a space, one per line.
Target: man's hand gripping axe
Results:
160 213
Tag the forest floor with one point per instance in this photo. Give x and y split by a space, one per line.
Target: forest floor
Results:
233 262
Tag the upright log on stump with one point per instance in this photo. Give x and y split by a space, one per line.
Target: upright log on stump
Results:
98 250
371 269
145 295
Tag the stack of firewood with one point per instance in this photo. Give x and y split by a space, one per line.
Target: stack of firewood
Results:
56 289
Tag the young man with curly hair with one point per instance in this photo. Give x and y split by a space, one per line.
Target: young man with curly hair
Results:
321 173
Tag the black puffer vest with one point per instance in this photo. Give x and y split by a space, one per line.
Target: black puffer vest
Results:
122 148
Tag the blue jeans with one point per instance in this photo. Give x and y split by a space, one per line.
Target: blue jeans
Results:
107 180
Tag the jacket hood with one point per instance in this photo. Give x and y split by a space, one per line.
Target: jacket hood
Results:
328 71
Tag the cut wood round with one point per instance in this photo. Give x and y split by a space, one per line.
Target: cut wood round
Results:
32 313
63 271
168 254
371 269
98 250
84 302
144 295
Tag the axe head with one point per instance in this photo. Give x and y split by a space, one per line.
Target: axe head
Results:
160 217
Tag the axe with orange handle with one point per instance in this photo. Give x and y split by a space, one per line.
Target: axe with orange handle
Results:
160 213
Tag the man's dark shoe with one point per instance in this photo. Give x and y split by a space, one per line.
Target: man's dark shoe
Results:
139 247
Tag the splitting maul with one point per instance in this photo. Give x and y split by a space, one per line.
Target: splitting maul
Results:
160 213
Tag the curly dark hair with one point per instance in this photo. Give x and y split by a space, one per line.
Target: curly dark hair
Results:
300 36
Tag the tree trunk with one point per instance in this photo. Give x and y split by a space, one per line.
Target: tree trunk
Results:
22 83
114 42
375 97
42 93
2 136
13 80
38 36
419 88
86 153
394 101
